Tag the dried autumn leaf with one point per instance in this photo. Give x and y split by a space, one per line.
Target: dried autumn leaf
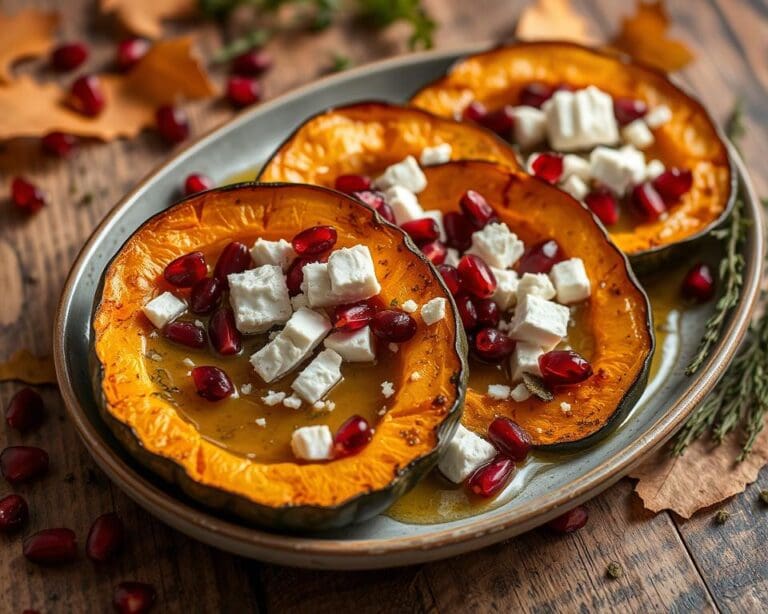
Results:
706 474
644 37
552 19
26 367
168 72
29 33
145 17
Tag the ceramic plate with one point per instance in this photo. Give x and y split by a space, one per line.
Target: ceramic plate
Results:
544 488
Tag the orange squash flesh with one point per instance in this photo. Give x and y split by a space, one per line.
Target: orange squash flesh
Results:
420 416
689 140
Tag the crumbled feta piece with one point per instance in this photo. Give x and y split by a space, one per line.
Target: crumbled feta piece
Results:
575 186
539 322
246 389
280 253
530 126
439 154
262 422
637 134
352 273
658 116
312 442
259 298
273 398
199 324
318 288
318 377
164 308
520 393
576 166
565 407
571 281
653 169
464 454
153 334
292 402
393 347
405 205
452 257
410 306
437 215
499 392
272 334
524 359
324 406
299 301
617 169
505 295
415 376
355 346
188 362
580 120
405 173
387 389
433 310
497 245
537 284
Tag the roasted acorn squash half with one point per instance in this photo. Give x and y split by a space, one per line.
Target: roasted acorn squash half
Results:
214 451
689 140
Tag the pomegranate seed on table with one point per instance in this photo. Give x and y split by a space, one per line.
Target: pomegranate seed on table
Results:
647 201
185 271
393 325
451 277
349 184
69 56
212 383
673 184
185 333
564 368
58 144
314 241
243 91
224 335
130 51
353 435
133 597
25 411
14 513
252 62
87 97
197 182
487 312
627 110
435 251
509 438
490 478
540 258
467 311
205 295
20 464
603 204
535 94
476 209
474 112
500 121
234 258
349 318
476 276
547 166
458 230
105 537
26 196
422 230
491 345
571 521
172 124
51 547
699 283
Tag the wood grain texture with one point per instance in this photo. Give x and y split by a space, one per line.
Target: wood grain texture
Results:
669 565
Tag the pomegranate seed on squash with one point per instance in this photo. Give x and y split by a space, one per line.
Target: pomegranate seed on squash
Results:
476 209
540 258
349 318
393 325
422 230
350 184
314 241
603 204
133 597
20 464
185 271
490 478
51 547
185 333
509 438
627 110
234 258
491 345
252 62
458 230
172 124
487 312
647 201
564 368
59 144
476 276
25 411
69 56
547 166
87 96
105 537
243 91
353 435
474 112
451 277
699 283
197 182
467 311
500 121
224 335
130 51
571 521
205 295
673 184
385 211
435 251
212 383
373 198
14 513
536 94
26 196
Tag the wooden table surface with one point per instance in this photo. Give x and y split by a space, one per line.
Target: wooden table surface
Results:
669 564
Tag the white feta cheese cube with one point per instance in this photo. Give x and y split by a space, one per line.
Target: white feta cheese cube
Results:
497 245
319 376
312 443
437 215
499 392
259 298
355 346
299 301
524 359
405 205
539 322
658 116
387 389
273 398
617 169
571 281
352 273
439 154
465 453
637 134
433 310
575 186
164 308
316 285
280 253
653 169
530 126
410 306
452 257
405 173
520 393
577 166
537 284
580 120
505 295
292 402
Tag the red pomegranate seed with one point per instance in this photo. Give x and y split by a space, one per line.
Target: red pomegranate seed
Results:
26 196
87 97
474 112
172 124
487 312
212 383
133 597
699 283
673 184
234 258
628 110
458 230
295 274
500 121
467 311
205 295
51 546
451 278
314 241
564 368
536 94
491 345
603 204
385 211
14 513
185 271
647 201
435 251
509 438
243 91
130 51
547 166
58 144
490 478
422 230
105 537
352 437
540 258
25 411
185 333
372 198
20 464
224 335
197 182
252 62
476 276
393 325
69 56
476 209
353 183
571 521
348 318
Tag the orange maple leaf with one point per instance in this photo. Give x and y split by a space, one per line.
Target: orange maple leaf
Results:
145 17
26 34
552 20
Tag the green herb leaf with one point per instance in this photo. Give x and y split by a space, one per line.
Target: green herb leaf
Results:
339 62
254 38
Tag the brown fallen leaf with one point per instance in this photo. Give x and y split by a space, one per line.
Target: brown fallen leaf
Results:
29 33
26 367
145 17
706 474
552 19
644 37
168 72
